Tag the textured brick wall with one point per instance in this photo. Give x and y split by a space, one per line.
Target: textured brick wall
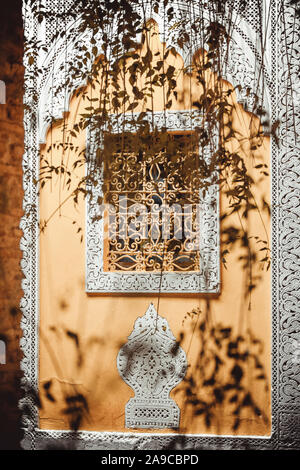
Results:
11 149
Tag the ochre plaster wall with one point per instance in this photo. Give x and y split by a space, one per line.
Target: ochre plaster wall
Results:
103 323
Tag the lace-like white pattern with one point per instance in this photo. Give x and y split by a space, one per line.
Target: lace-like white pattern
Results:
152 364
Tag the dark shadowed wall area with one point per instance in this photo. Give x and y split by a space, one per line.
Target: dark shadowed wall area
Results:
11 150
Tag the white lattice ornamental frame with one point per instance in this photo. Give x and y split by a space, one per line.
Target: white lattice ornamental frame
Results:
207 280
279 72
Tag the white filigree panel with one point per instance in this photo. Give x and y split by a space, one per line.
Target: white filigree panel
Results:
152 363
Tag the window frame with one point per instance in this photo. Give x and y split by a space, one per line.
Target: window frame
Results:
207 280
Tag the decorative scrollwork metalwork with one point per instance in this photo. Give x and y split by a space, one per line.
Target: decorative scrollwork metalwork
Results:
157 231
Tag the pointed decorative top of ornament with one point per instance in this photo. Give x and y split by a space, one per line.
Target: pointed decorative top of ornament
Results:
151 323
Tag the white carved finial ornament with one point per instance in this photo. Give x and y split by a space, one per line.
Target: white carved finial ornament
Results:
152 363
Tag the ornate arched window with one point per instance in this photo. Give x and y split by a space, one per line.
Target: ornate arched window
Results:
257 62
